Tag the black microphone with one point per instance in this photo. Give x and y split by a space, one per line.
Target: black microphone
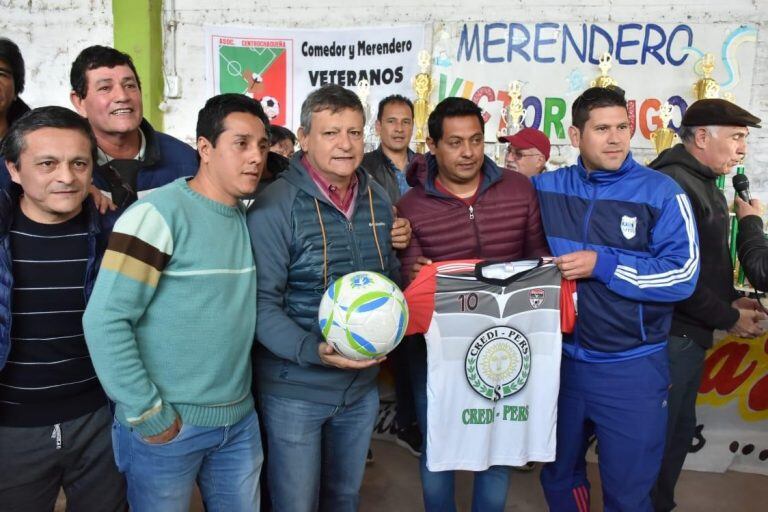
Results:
741 186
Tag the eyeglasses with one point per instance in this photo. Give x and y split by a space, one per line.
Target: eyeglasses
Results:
518 154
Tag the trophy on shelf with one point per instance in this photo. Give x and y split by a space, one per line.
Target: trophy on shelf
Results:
512 115
363 91
422 85
604 80
664 137
706 87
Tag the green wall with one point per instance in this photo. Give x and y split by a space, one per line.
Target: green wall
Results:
139 33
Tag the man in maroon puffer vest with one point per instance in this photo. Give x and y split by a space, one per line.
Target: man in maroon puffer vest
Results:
463 206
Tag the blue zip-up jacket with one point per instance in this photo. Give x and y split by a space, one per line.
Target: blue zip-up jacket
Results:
97 244
641 225
302 243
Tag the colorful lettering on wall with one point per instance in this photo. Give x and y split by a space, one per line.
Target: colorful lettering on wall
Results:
737 369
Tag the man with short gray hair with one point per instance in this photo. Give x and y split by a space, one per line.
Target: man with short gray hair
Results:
322 218
714 134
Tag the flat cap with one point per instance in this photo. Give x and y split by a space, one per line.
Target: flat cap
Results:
717 112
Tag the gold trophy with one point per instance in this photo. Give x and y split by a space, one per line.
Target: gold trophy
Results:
422 84
706 87
604 80
664 137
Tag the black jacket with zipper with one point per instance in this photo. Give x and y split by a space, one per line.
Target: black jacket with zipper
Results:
709 307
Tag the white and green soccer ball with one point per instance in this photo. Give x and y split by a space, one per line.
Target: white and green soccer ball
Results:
363 315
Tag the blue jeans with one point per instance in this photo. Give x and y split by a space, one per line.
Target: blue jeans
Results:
225 462
317 451
489 493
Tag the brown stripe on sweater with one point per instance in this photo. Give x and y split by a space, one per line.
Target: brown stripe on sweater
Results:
138 249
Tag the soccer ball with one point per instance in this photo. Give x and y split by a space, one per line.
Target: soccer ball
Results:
271 107
363 315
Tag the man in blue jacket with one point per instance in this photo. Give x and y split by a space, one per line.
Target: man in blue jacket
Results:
55 422
627 235
321 219
133 158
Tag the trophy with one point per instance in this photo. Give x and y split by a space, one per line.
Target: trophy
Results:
664 137
513 114
706 87
363 91
604 80
422 84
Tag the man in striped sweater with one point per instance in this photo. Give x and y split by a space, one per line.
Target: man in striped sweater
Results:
172 321
54 418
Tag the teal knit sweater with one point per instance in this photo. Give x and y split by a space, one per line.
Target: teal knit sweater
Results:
172 316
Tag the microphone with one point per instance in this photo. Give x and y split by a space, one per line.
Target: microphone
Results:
741 186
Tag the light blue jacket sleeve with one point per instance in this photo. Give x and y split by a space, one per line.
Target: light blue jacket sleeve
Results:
670 272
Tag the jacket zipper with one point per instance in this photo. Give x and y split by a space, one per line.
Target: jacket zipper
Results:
587 218
478 248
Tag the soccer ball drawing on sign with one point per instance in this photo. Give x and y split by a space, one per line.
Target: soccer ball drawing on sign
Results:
271 107
363 315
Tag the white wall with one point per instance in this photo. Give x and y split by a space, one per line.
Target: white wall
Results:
51 33
193 14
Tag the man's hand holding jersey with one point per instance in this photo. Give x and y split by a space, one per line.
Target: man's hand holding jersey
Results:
577 265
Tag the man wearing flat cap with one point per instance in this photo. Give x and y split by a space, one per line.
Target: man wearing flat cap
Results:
714 139
527 152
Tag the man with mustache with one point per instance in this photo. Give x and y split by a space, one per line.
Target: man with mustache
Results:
714 139
133 158
55 421
463 206
387 164
527 152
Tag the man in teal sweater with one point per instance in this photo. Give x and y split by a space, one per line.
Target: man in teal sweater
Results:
171 322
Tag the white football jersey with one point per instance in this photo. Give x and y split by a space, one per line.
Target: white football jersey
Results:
494 336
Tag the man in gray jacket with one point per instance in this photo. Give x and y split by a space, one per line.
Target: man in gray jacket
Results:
321 219
387 164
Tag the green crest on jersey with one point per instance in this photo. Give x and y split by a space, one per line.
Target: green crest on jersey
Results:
498 362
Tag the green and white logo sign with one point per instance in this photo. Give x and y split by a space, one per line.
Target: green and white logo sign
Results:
498 362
